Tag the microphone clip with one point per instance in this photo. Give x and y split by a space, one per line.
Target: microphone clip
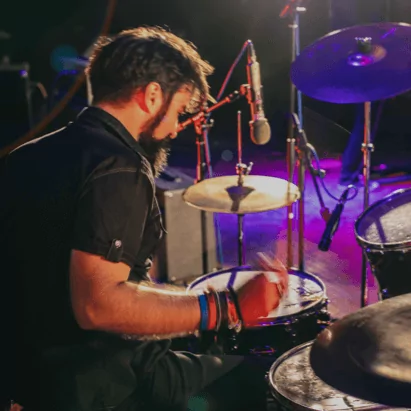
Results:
344 196
291 8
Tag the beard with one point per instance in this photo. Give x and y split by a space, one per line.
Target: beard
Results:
157 150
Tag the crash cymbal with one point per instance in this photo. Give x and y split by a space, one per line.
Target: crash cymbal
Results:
356 64
257 194
367 354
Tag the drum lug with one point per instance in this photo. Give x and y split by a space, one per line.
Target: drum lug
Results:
290 329
324 317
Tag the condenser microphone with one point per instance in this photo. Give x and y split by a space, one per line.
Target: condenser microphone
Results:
259 127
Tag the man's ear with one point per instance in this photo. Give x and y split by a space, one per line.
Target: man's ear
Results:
150 99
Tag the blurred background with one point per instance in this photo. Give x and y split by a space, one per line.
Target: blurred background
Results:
40 40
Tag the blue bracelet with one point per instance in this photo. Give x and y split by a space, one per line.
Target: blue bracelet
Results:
204 312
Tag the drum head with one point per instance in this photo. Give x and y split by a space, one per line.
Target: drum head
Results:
305 292
293 382
387 222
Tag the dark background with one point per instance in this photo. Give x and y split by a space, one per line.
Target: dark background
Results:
219 29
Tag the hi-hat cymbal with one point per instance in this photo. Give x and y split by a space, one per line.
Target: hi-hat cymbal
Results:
367 354
257 194
356 64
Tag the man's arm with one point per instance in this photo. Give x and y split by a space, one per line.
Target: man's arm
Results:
103 299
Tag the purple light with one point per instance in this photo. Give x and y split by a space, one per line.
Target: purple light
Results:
360 60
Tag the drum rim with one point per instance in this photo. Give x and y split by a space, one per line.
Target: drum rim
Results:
281 398
270 321
371 246
280 360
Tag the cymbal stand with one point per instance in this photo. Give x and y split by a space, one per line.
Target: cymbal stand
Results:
202 124
241 170
293 9
367 148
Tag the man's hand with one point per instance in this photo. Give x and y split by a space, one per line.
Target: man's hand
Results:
276 266
259 296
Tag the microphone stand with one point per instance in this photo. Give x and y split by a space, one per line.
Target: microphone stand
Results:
293 10
304 150
367 148
202 125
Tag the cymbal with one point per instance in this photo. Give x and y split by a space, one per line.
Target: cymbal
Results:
257 194
345 67
367 354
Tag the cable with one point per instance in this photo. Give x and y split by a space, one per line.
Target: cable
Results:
317 159
321 176
70 94
230 72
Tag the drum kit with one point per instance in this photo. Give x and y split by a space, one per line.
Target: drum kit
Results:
362 361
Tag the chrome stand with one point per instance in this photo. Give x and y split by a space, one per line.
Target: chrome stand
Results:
295 11
241 170
367 148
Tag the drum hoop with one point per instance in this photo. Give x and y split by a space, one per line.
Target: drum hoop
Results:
372 247
272 321
273 386
274 389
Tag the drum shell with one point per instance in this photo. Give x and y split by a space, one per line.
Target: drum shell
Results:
390 260
278 337
391 270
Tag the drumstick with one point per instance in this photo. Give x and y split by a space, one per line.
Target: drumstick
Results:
264 258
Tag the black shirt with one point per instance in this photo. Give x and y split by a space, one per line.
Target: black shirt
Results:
88 187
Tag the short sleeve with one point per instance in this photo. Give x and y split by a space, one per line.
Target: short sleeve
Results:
111 214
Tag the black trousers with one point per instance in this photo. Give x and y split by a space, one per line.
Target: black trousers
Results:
352 158
182 381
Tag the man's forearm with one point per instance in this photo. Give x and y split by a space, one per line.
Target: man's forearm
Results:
146 310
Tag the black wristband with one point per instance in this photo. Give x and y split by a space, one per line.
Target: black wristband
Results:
218 307
222 298
233 296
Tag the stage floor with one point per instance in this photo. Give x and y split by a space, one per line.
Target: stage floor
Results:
340 267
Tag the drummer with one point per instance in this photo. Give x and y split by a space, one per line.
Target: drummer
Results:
86 329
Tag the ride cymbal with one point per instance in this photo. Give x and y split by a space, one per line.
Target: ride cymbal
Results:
256 194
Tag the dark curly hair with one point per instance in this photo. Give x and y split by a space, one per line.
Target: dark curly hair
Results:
134 58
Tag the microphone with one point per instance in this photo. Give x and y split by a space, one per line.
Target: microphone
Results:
333 223
259 128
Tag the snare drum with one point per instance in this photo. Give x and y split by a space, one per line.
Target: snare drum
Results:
294 386
302 314
384 233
